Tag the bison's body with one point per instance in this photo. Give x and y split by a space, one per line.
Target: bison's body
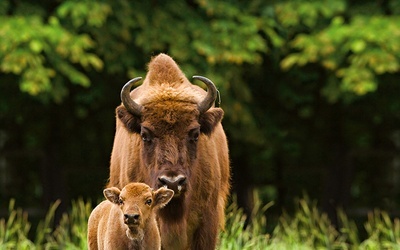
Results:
171 135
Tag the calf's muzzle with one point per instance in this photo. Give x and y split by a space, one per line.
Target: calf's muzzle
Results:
131 219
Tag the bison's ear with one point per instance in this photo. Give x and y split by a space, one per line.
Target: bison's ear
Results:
210 119
112 194
162 196
130 121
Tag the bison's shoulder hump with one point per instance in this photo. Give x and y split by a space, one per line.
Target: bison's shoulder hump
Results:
162 69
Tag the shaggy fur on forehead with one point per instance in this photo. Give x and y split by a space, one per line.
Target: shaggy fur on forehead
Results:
168 115
164 93
135 189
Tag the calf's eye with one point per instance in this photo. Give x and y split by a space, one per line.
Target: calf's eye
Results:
148 202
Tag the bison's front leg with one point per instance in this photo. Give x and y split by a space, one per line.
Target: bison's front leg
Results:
206 235
173 235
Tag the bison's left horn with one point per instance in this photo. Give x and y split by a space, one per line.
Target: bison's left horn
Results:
209 100
126 99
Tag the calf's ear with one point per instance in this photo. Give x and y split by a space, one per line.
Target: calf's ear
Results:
112 194
209 120
130 121
162 196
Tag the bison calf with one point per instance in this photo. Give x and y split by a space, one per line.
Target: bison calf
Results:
126 220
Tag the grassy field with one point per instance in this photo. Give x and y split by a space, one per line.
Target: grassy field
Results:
307 228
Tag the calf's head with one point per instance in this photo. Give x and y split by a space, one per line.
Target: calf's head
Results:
137 202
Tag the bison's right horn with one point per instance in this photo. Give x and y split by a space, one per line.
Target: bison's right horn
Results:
126 99
209 100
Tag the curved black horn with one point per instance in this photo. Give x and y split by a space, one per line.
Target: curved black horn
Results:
209 100
126 99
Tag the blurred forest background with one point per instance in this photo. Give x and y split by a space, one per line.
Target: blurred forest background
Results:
310 89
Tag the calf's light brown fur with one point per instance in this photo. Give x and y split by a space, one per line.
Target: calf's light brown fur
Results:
127 220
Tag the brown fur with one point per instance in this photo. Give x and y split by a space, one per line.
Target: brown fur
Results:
108 228
171 138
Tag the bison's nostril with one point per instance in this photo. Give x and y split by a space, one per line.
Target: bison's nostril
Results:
176 183
172 182
163 181
182 181
135 217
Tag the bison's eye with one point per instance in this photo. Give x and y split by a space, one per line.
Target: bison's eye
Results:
120 201
194 134
146 135
148 202
146 138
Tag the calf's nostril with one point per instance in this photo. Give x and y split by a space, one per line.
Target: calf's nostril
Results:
131 218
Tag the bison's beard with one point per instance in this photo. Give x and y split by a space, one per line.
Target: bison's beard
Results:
135 233
174 211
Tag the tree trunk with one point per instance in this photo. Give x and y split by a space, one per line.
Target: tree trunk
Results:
53 173
339 171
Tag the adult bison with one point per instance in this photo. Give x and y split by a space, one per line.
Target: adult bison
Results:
169 133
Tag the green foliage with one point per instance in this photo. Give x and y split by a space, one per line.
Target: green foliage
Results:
292 14
383 232
14 230
233 33
312 229
44 228
307 228
90 13
238 235
42 52
71 232
354 51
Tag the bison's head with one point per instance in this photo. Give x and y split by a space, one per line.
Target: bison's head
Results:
137 201
173 120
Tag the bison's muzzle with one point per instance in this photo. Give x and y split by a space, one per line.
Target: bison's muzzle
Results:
176 183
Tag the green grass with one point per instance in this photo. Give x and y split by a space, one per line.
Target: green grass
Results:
307 228
69 234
